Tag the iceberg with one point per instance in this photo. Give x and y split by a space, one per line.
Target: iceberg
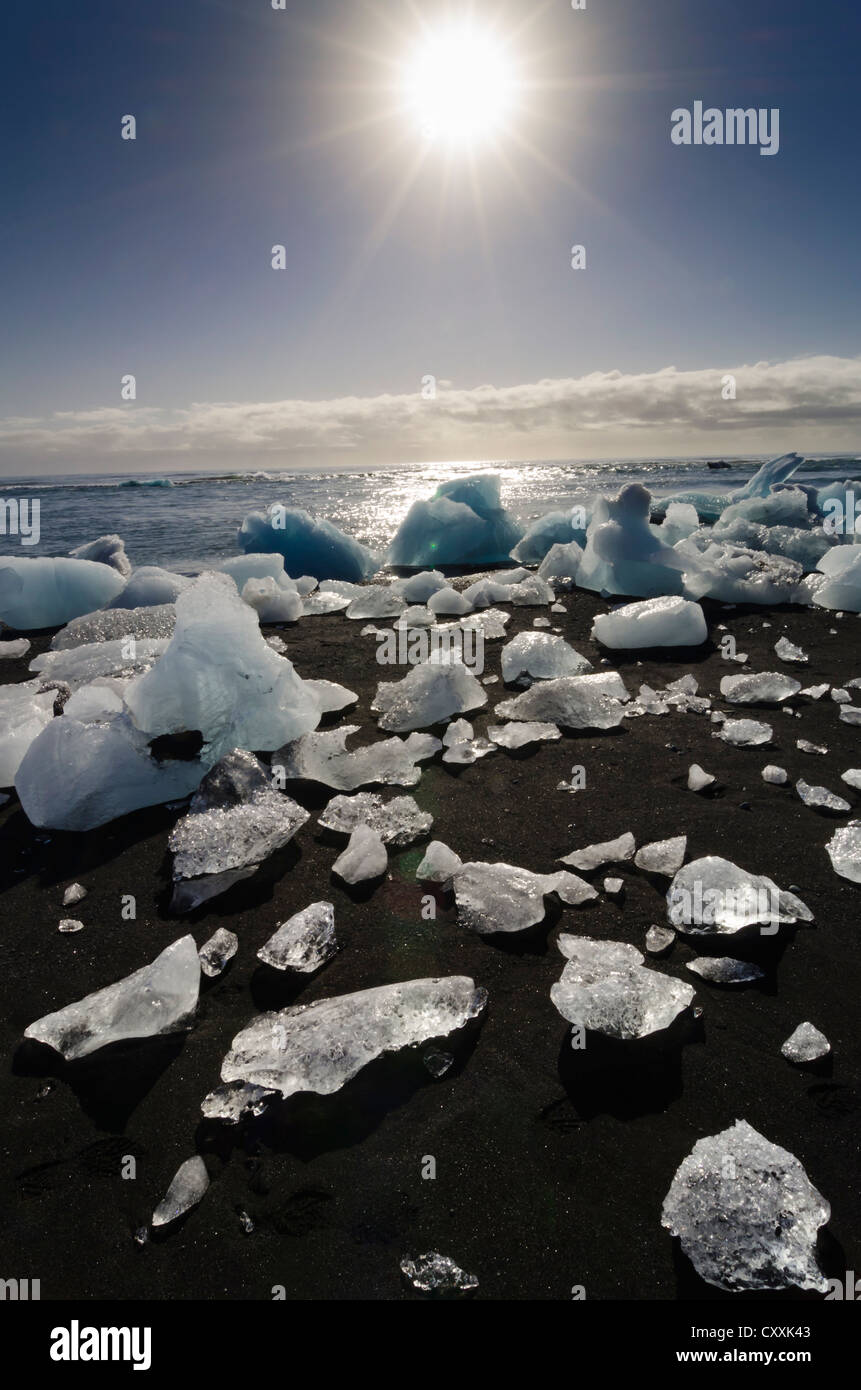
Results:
318 1047
38 592
656 622
844 851
309 545
159 998
624 554
710 506
552 529
606 987
747 1214
217 951
463 523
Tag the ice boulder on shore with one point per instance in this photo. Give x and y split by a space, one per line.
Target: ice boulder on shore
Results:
714 896
463 523
656 622
310 545
159 998
24 713
428 694
323 757
38 592
574 702
320 1046
150 587
747 1214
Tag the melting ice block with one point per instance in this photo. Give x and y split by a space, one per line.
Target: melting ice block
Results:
376 601
273 602
723 970
428 694
520 735
788 652
110 624
698 779
309 545
40 592
24 713
159 998
304 942
150 586
844 851
187 1187
234 837
217 951
364 858
106 550
758 688
744 733
463 523
820 798
662 856
666 621
806 1044
606 987
505 898
323 757
320 1046
439 865
398 822
541 656
713 895
575 702
746 1213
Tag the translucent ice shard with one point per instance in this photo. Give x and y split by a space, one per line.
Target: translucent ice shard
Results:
746 1213
428 694
110 624
608 852
439 864
332 696
10 651
304 942
575 702
806 1044
820 798
852 777
758 688
235 1101
187 1187
364 858
723 970
844 851
662 856
320 1046
215 841
24 713
323 757
713 895
398 822
217 951
788 652
107 550
233 781
668 621
376 601
698 780
463 523
606 987
659 940
447 602
437 1274
520 735
744 733
159 998
778 776
541 656
74 894
505 898
273 602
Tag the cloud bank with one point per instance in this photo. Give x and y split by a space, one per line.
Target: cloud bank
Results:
812 403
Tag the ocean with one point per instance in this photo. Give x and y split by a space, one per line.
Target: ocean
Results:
188 521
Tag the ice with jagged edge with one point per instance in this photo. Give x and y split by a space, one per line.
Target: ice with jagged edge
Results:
541 656
38 592
712 895
119 656
428 694
505 898
724 970
520 735
606 852
606 987
159 998
273 602
758 688
24 713
837 585
418 588
236 1101
376 601
186 1189
806 1044
10 651
437 1274
744 733
304 942
398 822
323 757
575 702
844 851
233 781
331 696
439 864
820 798
110 624
365 857
320 1046
787 651
217 951
234 837
747 1214
461 745
624 554
447 602
662 856
106 550
665 621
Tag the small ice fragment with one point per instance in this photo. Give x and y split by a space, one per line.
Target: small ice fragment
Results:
662 856
744 733
217 951
505 898
69 924
723 970
398 822
614 887
541 622
437 1274
186 1189
698 780
304 942
659 940
840 696
439 863
806 1044
852 777
807 747
815 692
438 1063
759 688
73 894
850 714
788 652
608 852
18 647
820 798
778 776
541 656
520 735
364 858
234 1101
844 851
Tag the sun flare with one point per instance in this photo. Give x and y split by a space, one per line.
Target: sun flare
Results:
459 85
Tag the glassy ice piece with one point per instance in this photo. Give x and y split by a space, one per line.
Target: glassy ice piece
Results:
850 714
435 1273
110 624
10 651
820 798
323 757
815 692
505 898
159 998
758 688
713 895
744 733
106 550
272 602
24 713
213 842
464 523
805 746
320 1046
852 777
606 987
364 858
467 753
698 780
520 735
778 776
746 1213
541 656
787 651
79 666
844 851
491 623
376 601
609 852
438 1063
806 1044
73 894
428 694
667 621
530 592
662 856
324 601
561 564
233 781
331 696
304 942
187 1187
659 940
723 970
439 864
575 702
148 586
235 1101
70 924
217 951
448 602
398 822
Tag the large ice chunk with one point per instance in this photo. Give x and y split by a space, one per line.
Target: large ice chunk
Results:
151 586
541 656
310 545
323 757
111 624
121 656
320 1046
39 592
428 694
746 1213
714 896
656 622
606 987
398 822
505 898
575 702
304 942
234 837
106 550
463 523
608 852
159 998
364 858
758 688
844 851
24 713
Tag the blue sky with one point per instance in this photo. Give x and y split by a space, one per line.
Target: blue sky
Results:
257 127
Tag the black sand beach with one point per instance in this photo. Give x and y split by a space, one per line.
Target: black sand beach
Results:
551 1166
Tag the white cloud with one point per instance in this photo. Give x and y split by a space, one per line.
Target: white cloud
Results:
813 404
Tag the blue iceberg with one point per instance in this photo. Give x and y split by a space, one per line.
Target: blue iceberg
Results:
310 546
463 523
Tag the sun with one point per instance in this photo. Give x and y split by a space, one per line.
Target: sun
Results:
459 85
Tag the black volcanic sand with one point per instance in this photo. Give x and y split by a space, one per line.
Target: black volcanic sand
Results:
551 1166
